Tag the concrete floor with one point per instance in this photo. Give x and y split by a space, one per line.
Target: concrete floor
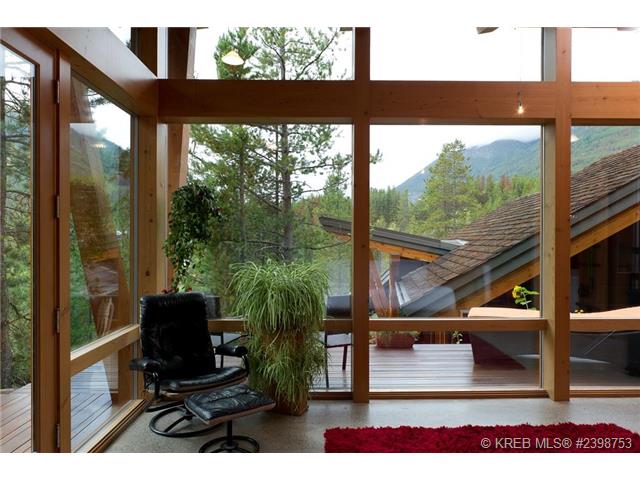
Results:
280 433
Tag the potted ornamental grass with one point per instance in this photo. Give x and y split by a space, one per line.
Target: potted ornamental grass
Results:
283 304
394 339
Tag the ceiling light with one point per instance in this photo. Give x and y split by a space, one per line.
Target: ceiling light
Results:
520 109
233 59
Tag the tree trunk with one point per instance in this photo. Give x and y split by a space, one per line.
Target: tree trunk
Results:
6 355
287 200
241 208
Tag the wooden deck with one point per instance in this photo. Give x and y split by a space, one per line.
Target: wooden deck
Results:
92 404
428 367
451 367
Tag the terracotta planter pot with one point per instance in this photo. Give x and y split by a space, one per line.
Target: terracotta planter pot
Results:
395 340
288 408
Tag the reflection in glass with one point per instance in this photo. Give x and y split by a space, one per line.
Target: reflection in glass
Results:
16 278
453 209
605 273
100 173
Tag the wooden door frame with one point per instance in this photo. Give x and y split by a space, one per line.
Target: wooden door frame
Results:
46 348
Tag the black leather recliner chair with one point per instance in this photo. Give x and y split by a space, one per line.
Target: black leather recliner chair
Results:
179 358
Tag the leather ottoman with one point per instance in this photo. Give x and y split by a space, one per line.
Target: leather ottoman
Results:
220 406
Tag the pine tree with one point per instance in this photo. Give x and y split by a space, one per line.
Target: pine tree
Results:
262 171
447 203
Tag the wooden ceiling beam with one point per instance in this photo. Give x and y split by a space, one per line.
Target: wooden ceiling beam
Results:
259 101
182 52
461 102
106 63
393 102
605 103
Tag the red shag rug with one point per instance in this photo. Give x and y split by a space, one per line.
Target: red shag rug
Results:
560 437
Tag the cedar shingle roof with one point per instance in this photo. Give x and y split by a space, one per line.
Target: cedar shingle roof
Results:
516 221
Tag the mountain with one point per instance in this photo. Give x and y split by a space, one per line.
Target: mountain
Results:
515 157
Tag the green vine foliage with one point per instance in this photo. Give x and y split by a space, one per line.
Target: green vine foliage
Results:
284 307
193 222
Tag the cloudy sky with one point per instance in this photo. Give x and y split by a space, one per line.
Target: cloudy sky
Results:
444 53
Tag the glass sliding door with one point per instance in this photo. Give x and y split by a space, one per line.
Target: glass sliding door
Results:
16 252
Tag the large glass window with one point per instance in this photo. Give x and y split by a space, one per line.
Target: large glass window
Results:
16 272
456 53
455 224
270 53
605 54
605 271
283 188
100 172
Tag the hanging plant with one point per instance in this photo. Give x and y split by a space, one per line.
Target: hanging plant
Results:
194 220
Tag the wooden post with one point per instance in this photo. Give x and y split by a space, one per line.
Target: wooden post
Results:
360 223
64 262
152 175
556 225
181 53
152 183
